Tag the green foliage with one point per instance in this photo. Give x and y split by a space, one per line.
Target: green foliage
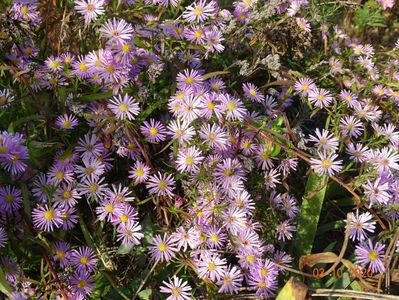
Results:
369 16
310 213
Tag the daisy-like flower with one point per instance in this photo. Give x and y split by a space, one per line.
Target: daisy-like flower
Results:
161 184
377 191
129 233
139 172
214 135
93 187
185 238
162 248
125 214
124 107
62 252
324 140
235 220
6 97
320 97
154 131
54 64
233 108
357 152
90 146
66 122
46 218
177 288
284 231
209 106
90 9
385 159
304 85
181 130
189 79
326 164
211 266
303 24
92 168
350 125
231 280
82 284
108 210
272 178
360 226
10 198
199 11
371 255
118 31
349 98
282 258
83 259
252 92
10 268
3 237
216 237
190 108
189 159
119 193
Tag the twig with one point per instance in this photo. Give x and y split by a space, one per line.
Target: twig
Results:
145 280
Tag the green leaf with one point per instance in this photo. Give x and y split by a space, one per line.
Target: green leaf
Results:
310 213
125 249
330 226
4 286
145 294
293 290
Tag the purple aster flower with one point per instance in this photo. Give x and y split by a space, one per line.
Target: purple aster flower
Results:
62 252
177 288
213 42
360 226
69 218
108 210
265 286
349 125
216 237
125 214
3 237
161 184
41 187
282 258
357 152
214 135
377 191
81 69
10 199
45 218
54 64
129 233
189 79
82 283
10 268
252 92
200 11
233 108
303 24
185 239
231 280
92 168
326 164
324 140
139 172
181 130
320 97
66 122
119 193
117 31
371 255
349 98
284 231
190 108
90 9
93 188
188 160
66 195
124 107
211 266
154 131
90 146
162 248
304 85
83 259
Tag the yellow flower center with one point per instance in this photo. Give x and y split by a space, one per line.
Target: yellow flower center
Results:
162 247
59 175
197 34
211 105
84 260
231 106
252 92
67 124
326 163
126 48
214 238
60 254
110 69
93 188
189 80
153 131
263 271
109 208
189 160
123 107
139 172
198 11
250 258
262 285
49 215
83 67
373 255
176 291
24 10
66 194
124 218
54 64
211 267
90 7
10 198
162 185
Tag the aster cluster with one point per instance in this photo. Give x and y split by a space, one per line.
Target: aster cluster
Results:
139 156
